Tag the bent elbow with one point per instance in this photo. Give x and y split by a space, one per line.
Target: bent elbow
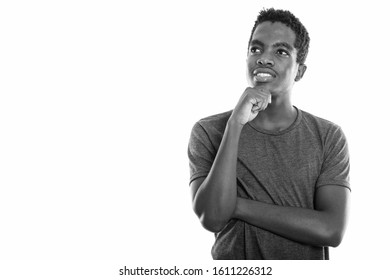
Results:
209 219
332 237
335 239
213 225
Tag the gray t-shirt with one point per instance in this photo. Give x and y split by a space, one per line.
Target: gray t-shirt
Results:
283 168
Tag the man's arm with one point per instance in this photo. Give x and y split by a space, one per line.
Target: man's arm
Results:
214 197
323 226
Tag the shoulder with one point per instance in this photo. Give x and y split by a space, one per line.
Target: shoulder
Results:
215 123
322 126
216 120
210 130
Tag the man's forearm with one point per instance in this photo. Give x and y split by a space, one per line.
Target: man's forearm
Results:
308 226
215 199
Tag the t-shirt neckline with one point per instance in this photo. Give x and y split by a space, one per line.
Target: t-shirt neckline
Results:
288 129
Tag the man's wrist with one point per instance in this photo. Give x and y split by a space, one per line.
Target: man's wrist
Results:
237 212
234 124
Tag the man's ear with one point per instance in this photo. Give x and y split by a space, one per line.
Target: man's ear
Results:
301 72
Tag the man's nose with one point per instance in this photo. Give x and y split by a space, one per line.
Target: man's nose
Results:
265 61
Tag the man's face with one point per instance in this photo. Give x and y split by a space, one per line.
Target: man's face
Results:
271 61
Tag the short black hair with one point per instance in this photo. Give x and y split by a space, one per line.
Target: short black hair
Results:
302 38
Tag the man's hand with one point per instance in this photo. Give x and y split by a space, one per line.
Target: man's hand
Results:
252 101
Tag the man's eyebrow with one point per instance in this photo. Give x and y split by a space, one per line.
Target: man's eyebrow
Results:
283 44
257 43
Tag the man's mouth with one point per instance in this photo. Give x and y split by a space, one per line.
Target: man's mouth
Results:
263 77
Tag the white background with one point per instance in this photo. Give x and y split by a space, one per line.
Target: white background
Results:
98 98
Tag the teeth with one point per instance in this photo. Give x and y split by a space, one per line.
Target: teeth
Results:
263 75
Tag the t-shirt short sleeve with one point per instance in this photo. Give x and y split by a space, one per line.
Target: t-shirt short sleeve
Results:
201 153
335 167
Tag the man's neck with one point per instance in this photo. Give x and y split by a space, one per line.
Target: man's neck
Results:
278 116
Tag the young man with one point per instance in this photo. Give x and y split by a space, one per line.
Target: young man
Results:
270 180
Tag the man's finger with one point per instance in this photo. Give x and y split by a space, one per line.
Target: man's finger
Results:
255 108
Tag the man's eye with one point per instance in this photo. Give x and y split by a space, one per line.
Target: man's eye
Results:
255 50
283 52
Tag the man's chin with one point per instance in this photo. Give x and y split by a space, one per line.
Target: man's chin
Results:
267 86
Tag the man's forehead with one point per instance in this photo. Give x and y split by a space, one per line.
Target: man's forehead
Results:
275 31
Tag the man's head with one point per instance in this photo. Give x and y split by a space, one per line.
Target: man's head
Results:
277 50
302 36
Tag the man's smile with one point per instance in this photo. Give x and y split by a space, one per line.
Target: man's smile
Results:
263 75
